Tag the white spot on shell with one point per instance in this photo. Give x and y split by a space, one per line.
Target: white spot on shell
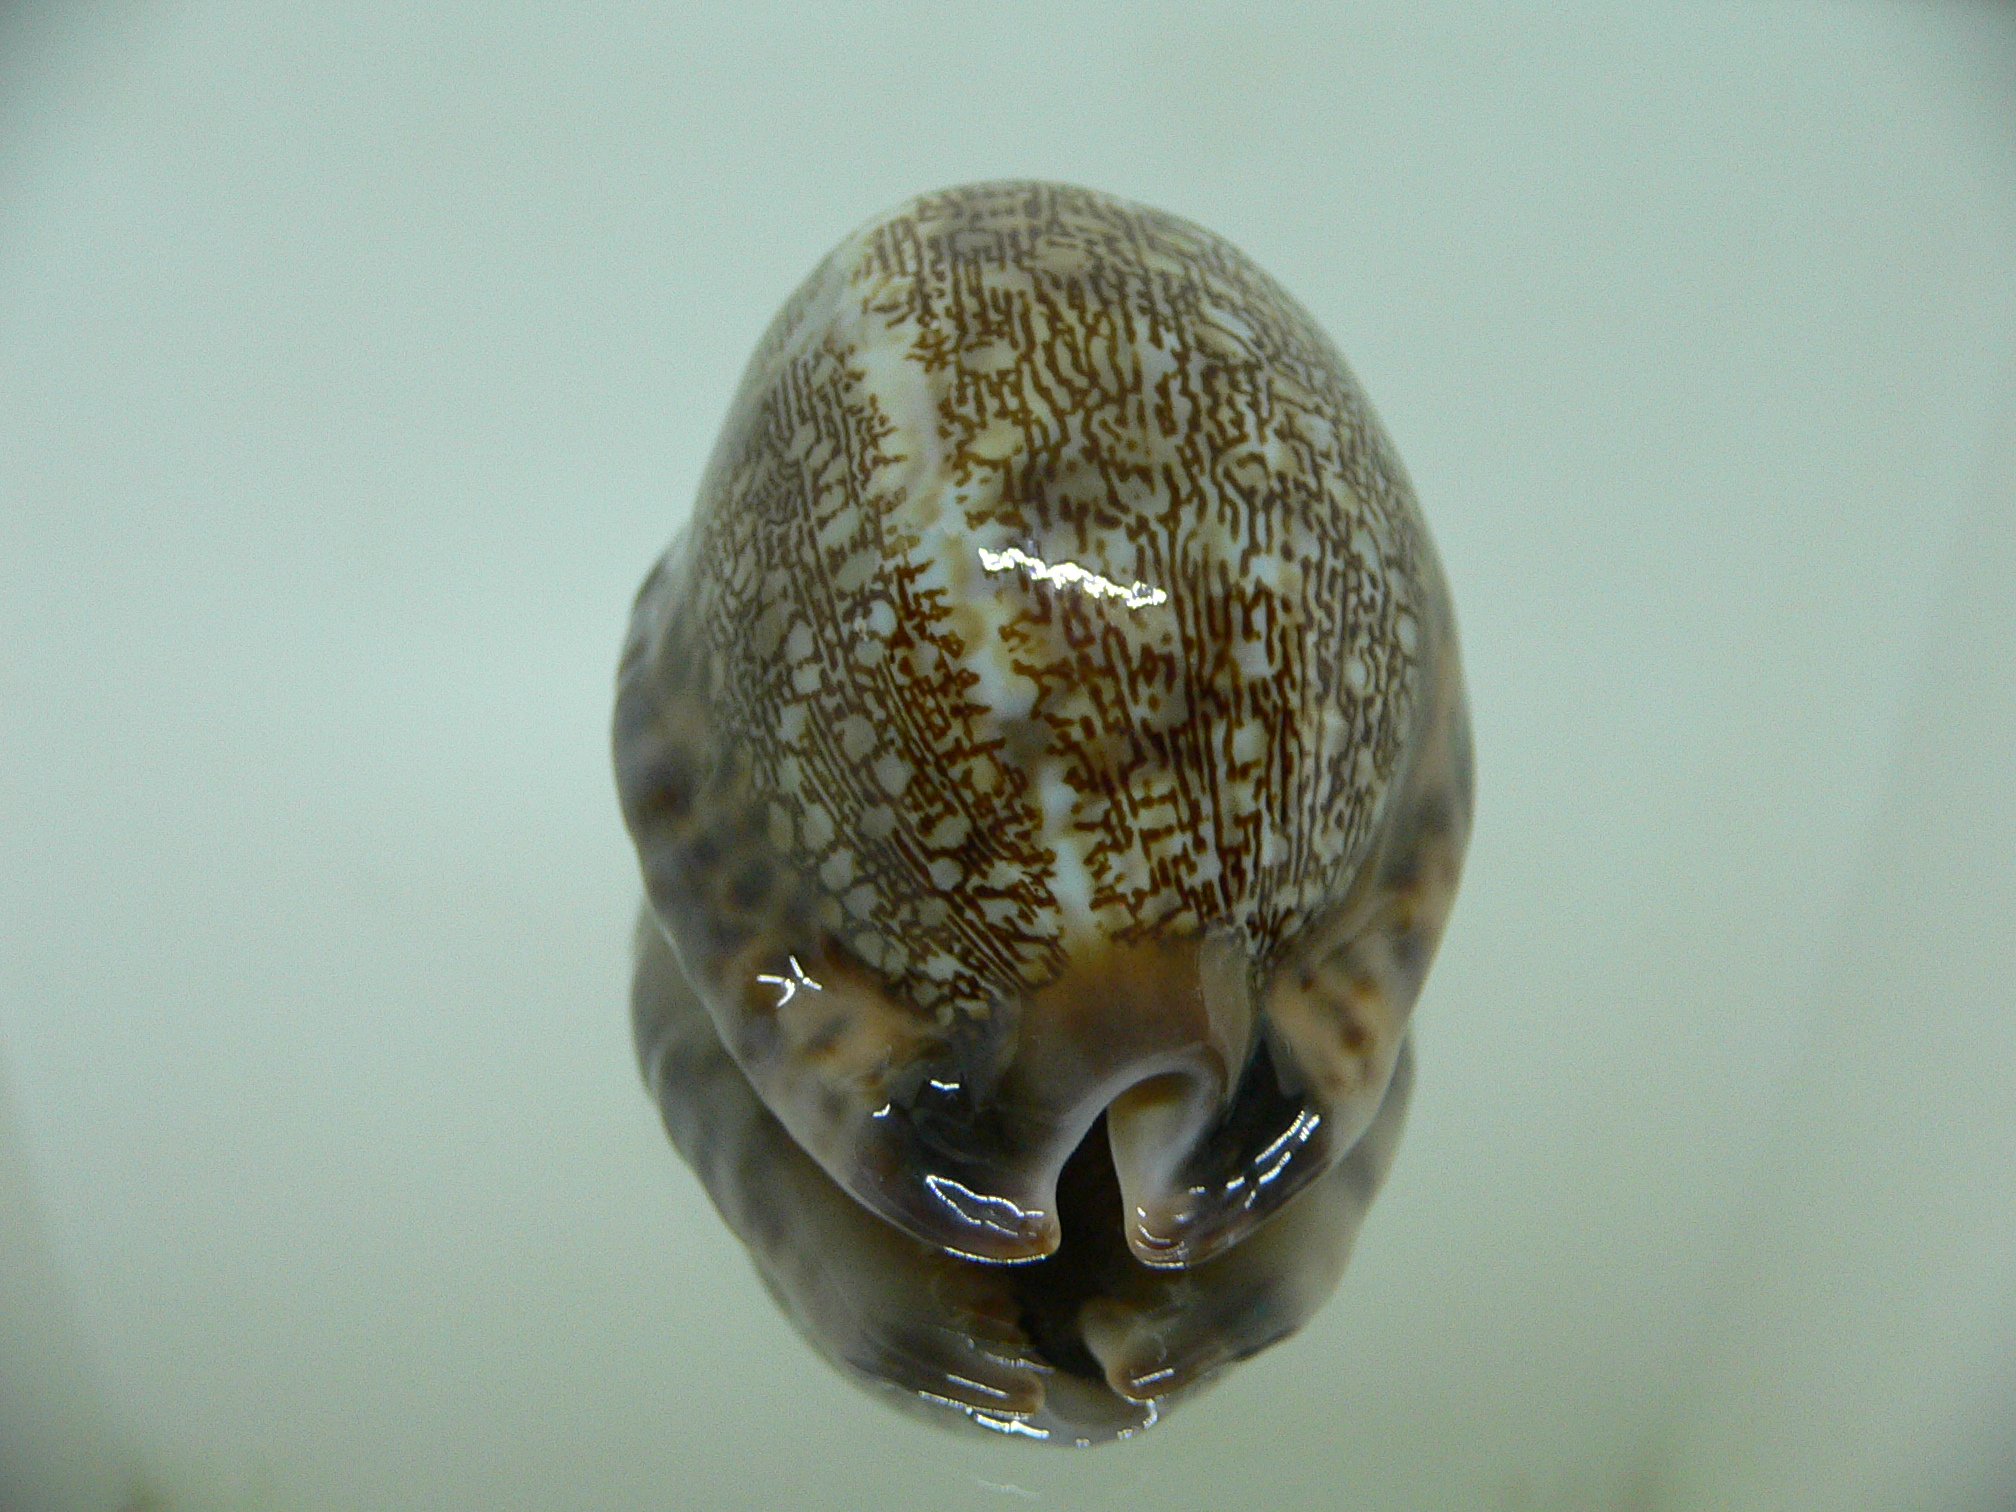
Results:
856 572
857 736
768 632
838 870
893 773
816 827
997 911
948 832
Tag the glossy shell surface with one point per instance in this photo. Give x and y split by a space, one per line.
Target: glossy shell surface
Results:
1048 726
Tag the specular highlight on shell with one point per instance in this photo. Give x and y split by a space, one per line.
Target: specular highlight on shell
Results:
1047 755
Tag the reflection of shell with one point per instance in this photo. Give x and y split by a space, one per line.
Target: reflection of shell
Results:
1051 713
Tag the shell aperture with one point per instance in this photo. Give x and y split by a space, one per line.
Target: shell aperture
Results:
1049 726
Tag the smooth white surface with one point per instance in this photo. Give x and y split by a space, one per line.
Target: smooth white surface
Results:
1864 1352
354 364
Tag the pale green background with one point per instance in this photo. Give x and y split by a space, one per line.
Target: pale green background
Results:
354 364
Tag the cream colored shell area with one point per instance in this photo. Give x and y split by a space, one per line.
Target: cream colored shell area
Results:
1058 588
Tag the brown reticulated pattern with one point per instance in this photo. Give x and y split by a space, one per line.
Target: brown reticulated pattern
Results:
1052 583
